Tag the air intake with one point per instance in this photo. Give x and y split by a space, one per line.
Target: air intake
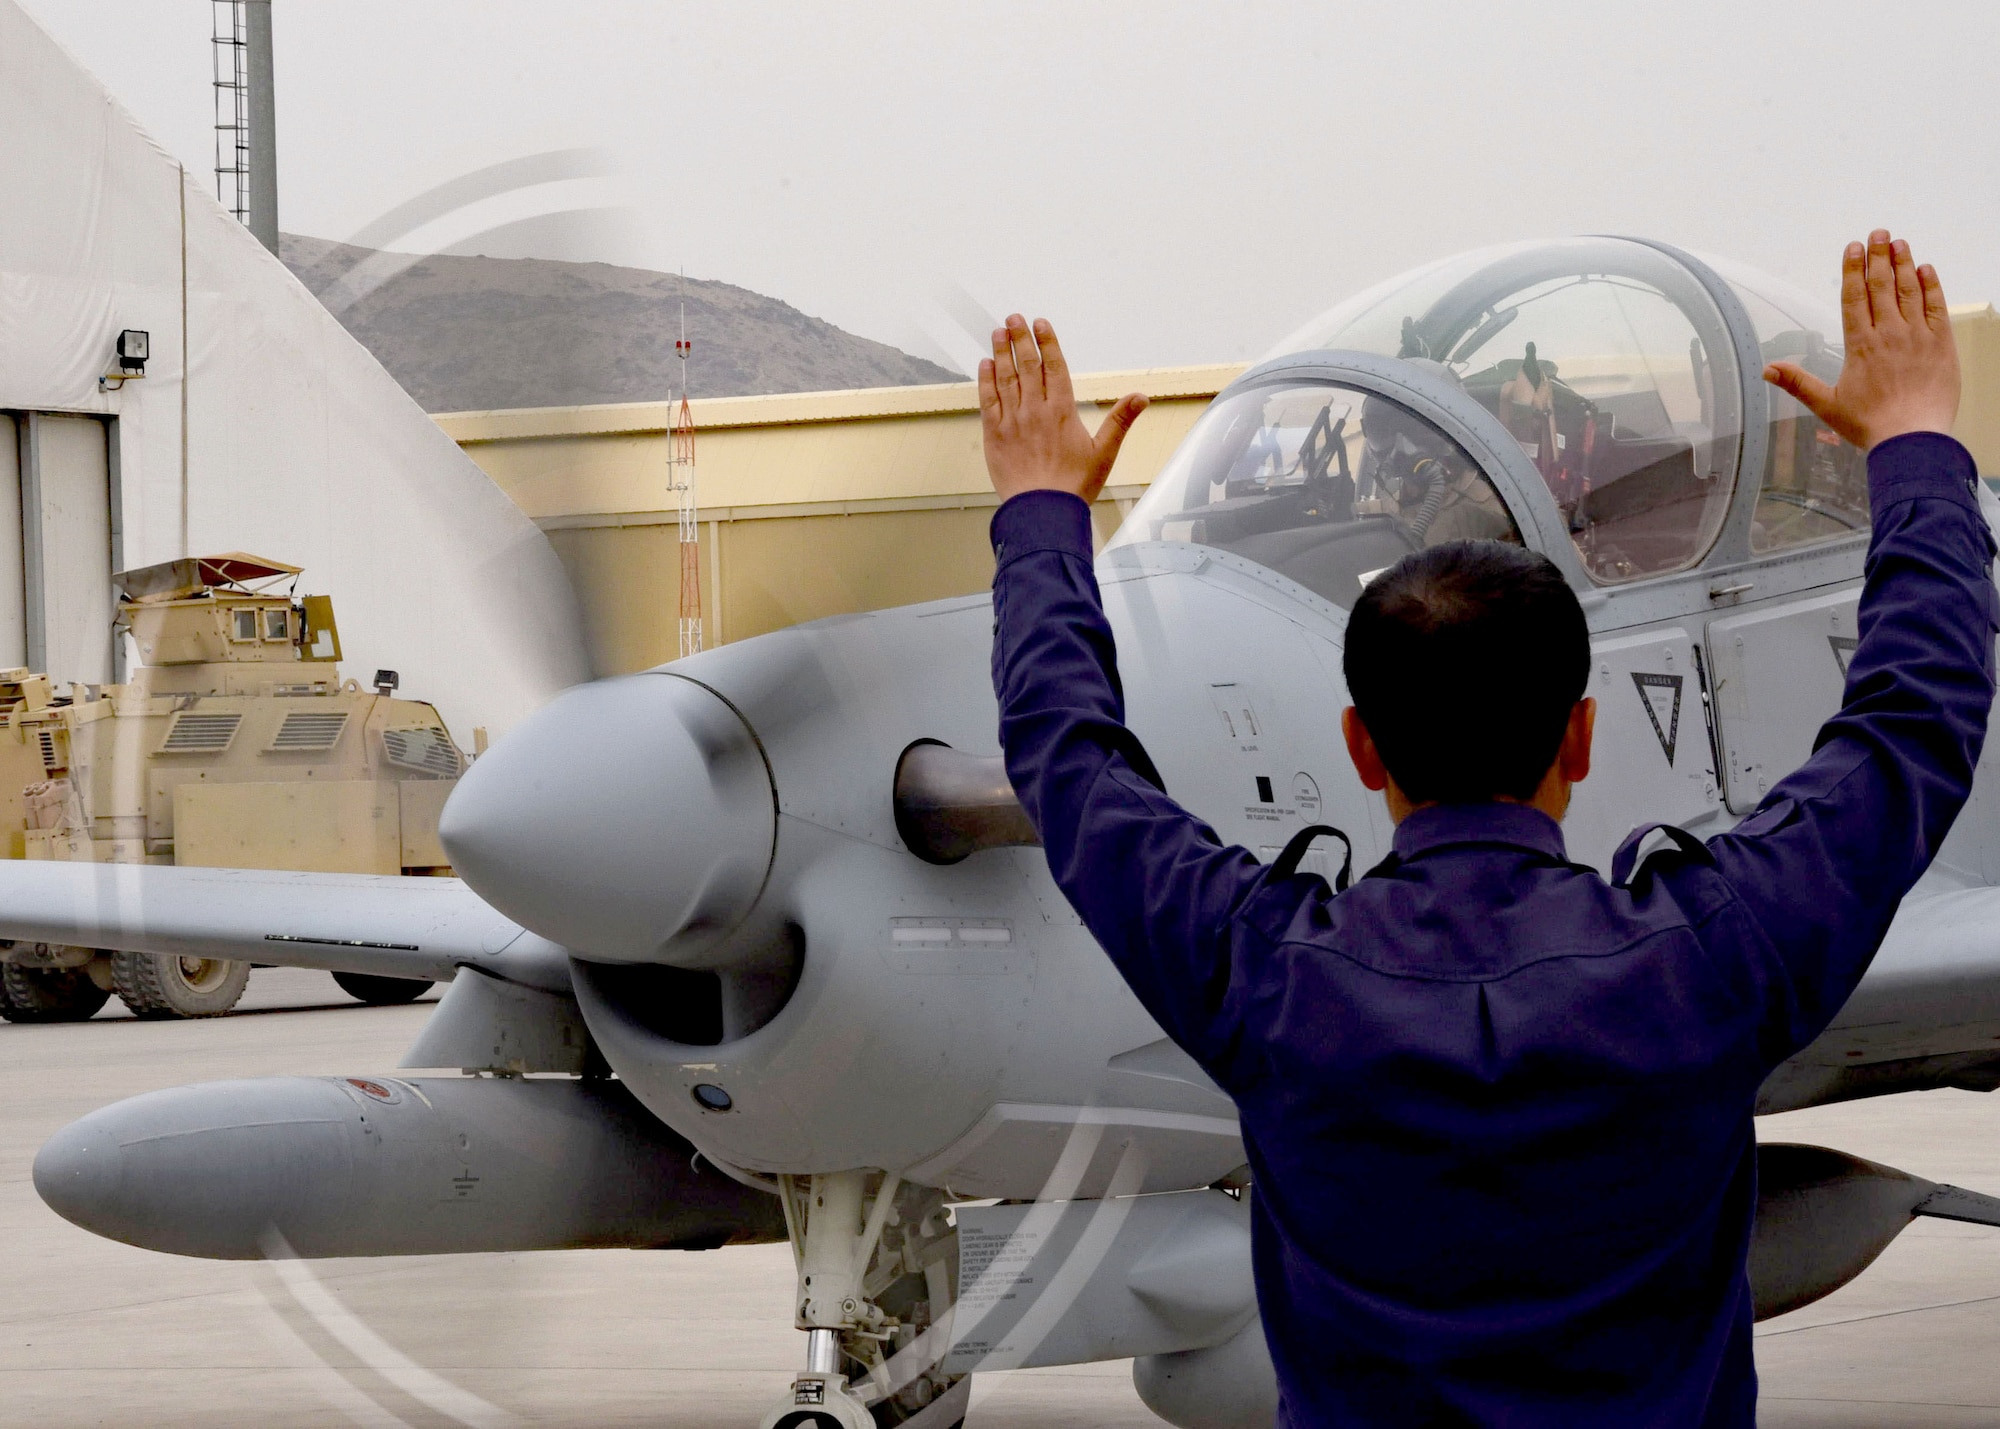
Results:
429 751
308 732
192 733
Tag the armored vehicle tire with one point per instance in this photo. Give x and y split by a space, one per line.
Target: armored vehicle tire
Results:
49 994
382 991
158 987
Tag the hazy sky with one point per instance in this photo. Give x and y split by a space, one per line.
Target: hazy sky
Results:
1170 182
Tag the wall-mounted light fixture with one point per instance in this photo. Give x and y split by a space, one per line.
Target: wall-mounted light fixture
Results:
134 347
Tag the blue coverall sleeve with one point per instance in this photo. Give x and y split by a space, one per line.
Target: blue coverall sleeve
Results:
1153 883
1826 858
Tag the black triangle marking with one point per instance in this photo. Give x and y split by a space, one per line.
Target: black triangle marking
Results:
1843 651
1668 730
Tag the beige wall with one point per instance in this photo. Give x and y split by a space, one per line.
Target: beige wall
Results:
775 572
1978 332
826 503
811 504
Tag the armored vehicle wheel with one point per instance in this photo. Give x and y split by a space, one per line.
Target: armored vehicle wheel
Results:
382 991
49 994
158 987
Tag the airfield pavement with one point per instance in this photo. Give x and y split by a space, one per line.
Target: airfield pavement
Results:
98 1334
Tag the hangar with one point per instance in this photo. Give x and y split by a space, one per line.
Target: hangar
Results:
252 421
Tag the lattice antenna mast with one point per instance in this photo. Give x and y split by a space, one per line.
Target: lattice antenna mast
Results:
230 50
680 480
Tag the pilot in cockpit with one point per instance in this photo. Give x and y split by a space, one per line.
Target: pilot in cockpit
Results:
1412 471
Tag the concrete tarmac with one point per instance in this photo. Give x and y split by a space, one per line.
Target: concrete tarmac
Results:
98 1334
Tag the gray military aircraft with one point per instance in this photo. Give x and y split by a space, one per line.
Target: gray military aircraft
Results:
776 902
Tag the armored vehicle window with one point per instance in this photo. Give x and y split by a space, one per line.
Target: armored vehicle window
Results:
277 625
244 626
1815 486
1610 365
1322 483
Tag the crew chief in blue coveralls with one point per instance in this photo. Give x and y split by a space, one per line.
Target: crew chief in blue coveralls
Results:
1498 1109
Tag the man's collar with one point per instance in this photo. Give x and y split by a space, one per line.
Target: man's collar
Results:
1492 823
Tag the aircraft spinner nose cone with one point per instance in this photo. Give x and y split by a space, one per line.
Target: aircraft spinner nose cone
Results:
623 815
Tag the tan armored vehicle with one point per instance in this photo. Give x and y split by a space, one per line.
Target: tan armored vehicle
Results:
235 744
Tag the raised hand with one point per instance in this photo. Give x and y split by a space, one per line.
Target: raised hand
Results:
1027 411
1901 373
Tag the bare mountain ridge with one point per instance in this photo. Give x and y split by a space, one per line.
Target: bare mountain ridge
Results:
469 333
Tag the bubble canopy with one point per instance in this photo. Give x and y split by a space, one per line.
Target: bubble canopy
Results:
1610 363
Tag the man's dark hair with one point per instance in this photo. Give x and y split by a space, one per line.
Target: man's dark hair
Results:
1464 661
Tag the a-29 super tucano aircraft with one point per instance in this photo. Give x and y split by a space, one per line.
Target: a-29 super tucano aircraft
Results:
777 902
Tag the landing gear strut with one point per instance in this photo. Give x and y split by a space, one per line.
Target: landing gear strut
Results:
878 1269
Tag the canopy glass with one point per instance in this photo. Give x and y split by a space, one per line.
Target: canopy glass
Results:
1321 482
1606 360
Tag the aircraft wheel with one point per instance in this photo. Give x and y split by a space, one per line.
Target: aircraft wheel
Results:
945 1412
49 994
382 991
161 987
807 1419
941 1409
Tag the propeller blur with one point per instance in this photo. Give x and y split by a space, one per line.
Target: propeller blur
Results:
781 893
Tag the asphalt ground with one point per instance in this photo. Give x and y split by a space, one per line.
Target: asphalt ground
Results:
98 1334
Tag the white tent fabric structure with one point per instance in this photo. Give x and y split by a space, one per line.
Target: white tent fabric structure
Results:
260 424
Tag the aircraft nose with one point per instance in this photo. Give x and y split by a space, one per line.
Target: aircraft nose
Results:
630 820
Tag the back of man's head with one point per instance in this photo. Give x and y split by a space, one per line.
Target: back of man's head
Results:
1464 661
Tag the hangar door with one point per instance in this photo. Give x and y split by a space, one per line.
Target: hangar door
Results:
57 545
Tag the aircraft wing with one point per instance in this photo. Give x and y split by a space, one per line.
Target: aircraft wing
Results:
344 922
1926 1015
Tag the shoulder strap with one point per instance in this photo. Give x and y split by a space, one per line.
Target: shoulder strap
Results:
1287 863
1628 852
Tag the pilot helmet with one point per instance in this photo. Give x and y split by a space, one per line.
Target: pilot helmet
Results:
1397 445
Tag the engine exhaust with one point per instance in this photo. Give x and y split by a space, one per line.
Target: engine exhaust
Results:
950 805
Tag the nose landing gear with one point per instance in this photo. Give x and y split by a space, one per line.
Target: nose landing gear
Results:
878 1273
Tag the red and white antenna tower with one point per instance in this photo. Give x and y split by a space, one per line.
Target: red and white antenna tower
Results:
680 481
